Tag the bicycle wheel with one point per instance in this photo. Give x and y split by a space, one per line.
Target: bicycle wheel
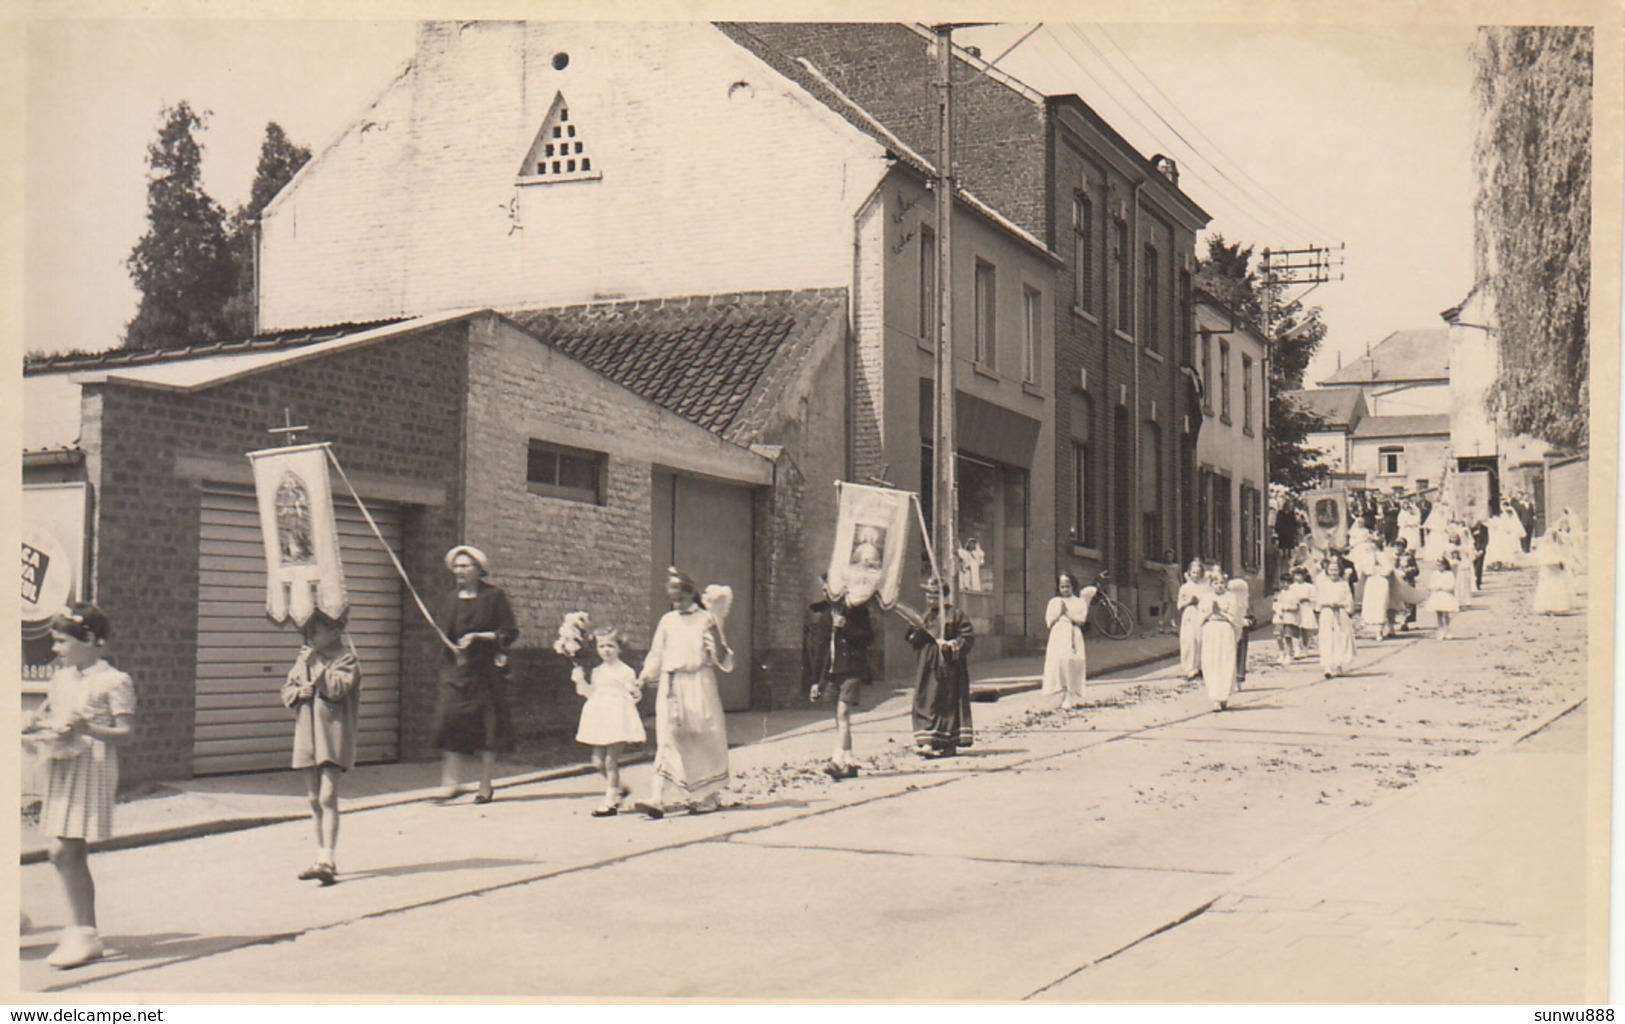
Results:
1116 622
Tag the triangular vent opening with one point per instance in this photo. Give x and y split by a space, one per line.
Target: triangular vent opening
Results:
560 151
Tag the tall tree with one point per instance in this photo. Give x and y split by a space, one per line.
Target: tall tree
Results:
1533 214
1295 334
280 160
182 265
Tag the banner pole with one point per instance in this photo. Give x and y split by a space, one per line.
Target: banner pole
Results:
401 570
936 572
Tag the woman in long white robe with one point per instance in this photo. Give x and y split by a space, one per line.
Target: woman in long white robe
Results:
1552 596
1219 631
691 731
1379 584
1506 541
1573 535
1190 622
1436 533
1410 527
1334 600
1066 668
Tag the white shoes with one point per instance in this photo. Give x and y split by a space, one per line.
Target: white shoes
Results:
79 946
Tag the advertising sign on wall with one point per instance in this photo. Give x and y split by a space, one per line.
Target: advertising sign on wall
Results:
55 521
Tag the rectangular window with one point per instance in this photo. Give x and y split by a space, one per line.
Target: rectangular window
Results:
1187 327
1032 334
1224 380
1125 280
1083 257
986 350
1149 332
1223 519
1150 491
928 285
1247 393
1391 460
1251 527
1083 518
1207 373
574 474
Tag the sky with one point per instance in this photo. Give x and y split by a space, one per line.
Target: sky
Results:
1353 136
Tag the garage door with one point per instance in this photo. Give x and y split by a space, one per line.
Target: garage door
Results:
241 724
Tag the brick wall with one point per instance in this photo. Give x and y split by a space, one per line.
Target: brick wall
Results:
717 175
391 410
553 555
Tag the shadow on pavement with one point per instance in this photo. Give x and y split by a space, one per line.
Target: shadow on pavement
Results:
428 867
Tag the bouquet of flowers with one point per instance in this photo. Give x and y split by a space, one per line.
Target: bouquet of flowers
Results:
55 740
574 638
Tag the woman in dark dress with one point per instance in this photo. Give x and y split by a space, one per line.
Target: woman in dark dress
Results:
472 715
942 722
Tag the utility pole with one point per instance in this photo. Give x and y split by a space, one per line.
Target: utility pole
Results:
945 487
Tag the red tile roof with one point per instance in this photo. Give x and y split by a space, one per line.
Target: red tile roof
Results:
702 357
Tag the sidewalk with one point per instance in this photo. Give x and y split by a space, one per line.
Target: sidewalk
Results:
216 804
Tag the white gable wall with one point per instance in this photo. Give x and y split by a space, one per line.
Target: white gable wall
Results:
707 185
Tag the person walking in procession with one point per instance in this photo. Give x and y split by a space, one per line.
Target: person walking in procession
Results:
1190 621
323 689
1241 614
943 639
835 667
1066 666
1219 631
1284 616
89 711
1168 601
1442 600
472 715
1335 602
691 731
609 720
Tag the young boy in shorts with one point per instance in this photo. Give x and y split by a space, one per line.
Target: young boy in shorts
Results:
835 666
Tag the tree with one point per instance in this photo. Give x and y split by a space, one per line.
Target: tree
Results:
1533 215
1294 335
280 160
182 265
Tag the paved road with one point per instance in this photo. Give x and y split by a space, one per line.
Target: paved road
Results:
1054 862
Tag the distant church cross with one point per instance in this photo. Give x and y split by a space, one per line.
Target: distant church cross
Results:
288 430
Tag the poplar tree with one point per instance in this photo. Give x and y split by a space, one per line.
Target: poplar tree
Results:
280 160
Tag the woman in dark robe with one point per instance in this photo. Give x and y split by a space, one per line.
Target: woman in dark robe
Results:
471 715
942 721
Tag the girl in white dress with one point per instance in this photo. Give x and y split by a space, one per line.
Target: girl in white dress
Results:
89 711
1378 588
1219 630
691 733
609 719
1303 592
1506 541
1552 586
1065 665
1461 563
1335 601
1284 615
1442 599
1190 621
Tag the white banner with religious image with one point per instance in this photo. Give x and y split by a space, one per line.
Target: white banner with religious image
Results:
1470 496
1328 519
301 536
871 540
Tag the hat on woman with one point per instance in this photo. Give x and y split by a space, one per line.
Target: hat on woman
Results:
472 552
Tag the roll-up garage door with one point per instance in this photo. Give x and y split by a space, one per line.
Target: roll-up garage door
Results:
242 659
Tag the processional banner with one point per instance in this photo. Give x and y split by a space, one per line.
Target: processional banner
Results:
1328 519
300 533
871 539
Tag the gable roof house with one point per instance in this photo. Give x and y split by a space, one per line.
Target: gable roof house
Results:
1124 231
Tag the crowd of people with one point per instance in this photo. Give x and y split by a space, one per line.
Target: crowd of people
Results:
1401 558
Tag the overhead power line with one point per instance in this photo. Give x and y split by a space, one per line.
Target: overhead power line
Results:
1196 128
1269 224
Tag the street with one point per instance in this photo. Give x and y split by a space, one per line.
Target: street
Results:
1145 848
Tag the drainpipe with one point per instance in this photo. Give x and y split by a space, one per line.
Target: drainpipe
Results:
1135 523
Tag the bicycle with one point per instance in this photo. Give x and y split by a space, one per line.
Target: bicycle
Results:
1110 616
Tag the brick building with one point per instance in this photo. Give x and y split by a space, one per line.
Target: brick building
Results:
711 282
1125 419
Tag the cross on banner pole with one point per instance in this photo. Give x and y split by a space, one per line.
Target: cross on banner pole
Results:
290 433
